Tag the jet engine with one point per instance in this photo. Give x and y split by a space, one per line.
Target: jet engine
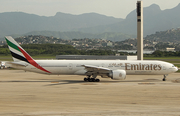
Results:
118 74
2 65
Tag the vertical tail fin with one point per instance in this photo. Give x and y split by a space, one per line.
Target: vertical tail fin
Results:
19 54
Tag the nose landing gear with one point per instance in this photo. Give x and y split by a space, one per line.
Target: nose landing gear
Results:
164 79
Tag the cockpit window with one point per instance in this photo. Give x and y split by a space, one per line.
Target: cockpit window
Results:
173 66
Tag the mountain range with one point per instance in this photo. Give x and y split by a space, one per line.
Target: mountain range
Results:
68 26
155 20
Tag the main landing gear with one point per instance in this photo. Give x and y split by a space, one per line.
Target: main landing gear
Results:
164 79
89 79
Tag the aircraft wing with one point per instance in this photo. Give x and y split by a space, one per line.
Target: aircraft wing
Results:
96 69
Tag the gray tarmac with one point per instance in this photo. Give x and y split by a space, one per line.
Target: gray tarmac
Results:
31 94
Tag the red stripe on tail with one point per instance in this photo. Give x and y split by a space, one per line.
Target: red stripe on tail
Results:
32 62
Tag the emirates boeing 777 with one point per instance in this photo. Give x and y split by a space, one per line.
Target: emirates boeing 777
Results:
114 69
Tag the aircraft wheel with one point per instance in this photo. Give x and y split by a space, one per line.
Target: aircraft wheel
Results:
89 79
164 79
97 80
93 79
85 79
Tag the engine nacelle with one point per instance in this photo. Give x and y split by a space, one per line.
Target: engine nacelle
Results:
3 65
118 74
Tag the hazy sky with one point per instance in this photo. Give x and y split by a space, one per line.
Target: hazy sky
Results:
115 8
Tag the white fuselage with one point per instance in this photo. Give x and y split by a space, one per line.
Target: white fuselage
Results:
74 67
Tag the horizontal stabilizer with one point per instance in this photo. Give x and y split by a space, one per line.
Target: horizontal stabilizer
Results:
16 64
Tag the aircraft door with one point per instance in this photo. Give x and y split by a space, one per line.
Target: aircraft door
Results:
103 65
70 66
164 67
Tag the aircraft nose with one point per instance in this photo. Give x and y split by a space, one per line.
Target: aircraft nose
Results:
177 68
